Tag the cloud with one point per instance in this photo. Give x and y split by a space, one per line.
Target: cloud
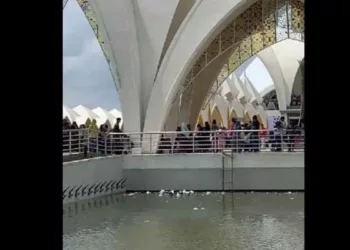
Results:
86 76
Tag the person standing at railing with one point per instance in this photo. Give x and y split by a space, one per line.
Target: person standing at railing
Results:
278 133
102 138
255 126
180 138
65 135
93 136
116 139
206 137
235 136
199 139
284 130
186 143
214 135
74 138
221 138
83 137
263 135
117 125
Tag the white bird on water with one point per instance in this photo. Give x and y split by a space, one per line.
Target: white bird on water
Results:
208 193
161 192
178 195
195 208
148 192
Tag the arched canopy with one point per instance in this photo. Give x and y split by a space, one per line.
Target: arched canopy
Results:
216 115
105 117
228 48
200 120
69 114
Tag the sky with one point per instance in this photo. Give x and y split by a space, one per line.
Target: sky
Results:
86 76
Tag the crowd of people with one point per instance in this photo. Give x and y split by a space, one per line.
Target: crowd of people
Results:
240 137
271 103
295 100
94 139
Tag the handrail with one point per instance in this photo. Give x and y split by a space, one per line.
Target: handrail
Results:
83 142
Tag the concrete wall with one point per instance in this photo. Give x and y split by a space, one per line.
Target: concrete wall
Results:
86 179
252 171
263 171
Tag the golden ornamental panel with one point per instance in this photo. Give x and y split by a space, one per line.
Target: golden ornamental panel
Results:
247 21
234 61
297 16
223 73
200 64
257 42
240 29
213 49
260 26
255 16
245 49
227 36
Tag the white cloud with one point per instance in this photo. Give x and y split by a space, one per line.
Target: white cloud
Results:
86 76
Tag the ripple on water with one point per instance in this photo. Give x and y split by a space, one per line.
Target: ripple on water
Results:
240 221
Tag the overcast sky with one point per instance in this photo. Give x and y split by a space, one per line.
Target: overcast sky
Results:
86 76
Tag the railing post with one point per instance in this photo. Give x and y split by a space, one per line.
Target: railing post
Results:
70 142
193 143
97 144
150 143
79 141
172 144
88 141
105 146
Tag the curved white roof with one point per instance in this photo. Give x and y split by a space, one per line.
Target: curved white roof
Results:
255 94
84 114
104 116
267 90
70 114
117 114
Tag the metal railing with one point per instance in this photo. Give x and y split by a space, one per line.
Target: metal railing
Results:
80 141
294 107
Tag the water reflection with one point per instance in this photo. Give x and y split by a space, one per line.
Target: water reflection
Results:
148 222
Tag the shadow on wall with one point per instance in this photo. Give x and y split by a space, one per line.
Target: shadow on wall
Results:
93 190
81 207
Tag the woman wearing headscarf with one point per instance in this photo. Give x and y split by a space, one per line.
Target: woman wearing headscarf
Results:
187 143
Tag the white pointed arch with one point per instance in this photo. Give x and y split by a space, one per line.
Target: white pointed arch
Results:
268 58
223 107
236 86
105 117
116 21
182 53
205 114
69 114
267 90
216 114
256 98
237 107
281 61
250 109
262 113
